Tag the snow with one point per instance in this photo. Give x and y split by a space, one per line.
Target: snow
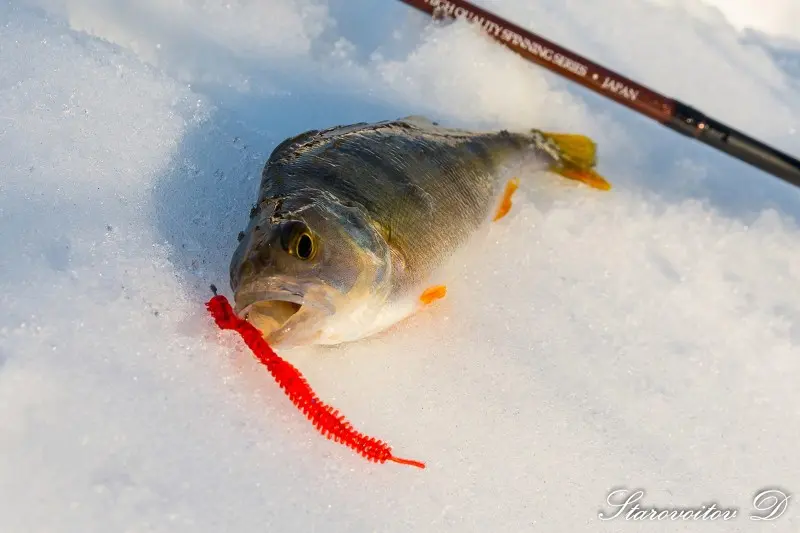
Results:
647 337
776 18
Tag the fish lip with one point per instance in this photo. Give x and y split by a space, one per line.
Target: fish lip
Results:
286 332
246 302
283 290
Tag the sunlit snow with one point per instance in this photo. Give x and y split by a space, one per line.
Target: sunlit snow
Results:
647 337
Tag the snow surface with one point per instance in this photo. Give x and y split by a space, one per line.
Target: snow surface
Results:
647 337
780 18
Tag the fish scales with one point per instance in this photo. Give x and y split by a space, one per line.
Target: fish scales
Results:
352 222
408 177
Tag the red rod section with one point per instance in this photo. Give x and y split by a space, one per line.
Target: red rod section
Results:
673 114
554 57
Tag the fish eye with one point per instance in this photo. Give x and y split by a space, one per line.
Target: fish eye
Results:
304 246
297 240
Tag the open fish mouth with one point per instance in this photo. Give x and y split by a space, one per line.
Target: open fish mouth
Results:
268 311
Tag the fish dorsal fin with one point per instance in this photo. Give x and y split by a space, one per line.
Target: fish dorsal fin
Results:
308 139
297 144
419 121
290 145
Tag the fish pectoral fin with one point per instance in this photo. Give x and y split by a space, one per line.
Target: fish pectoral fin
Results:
505 201
431 294
576 158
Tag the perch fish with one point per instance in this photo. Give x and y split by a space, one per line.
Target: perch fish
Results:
351 222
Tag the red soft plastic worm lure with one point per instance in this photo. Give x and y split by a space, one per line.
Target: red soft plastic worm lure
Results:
324 417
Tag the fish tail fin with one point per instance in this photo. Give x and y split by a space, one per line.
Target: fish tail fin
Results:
574 157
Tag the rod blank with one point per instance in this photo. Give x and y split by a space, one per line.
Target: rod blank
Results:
692 123
671 113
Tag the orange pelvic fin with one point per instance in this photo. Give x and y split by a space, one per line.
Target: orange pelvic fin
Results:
431 294
505 202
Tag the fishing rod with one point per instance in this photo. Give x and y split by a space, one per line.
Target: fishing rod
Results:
671 113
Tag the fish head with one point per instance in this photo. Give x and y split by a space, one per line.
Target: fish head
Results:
303 264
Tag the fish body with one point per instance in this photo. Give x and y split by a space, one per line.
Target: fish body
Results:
351 222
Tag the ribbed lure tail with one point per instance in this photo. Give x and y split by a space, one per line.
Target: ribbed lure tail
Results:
575 157
325 418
